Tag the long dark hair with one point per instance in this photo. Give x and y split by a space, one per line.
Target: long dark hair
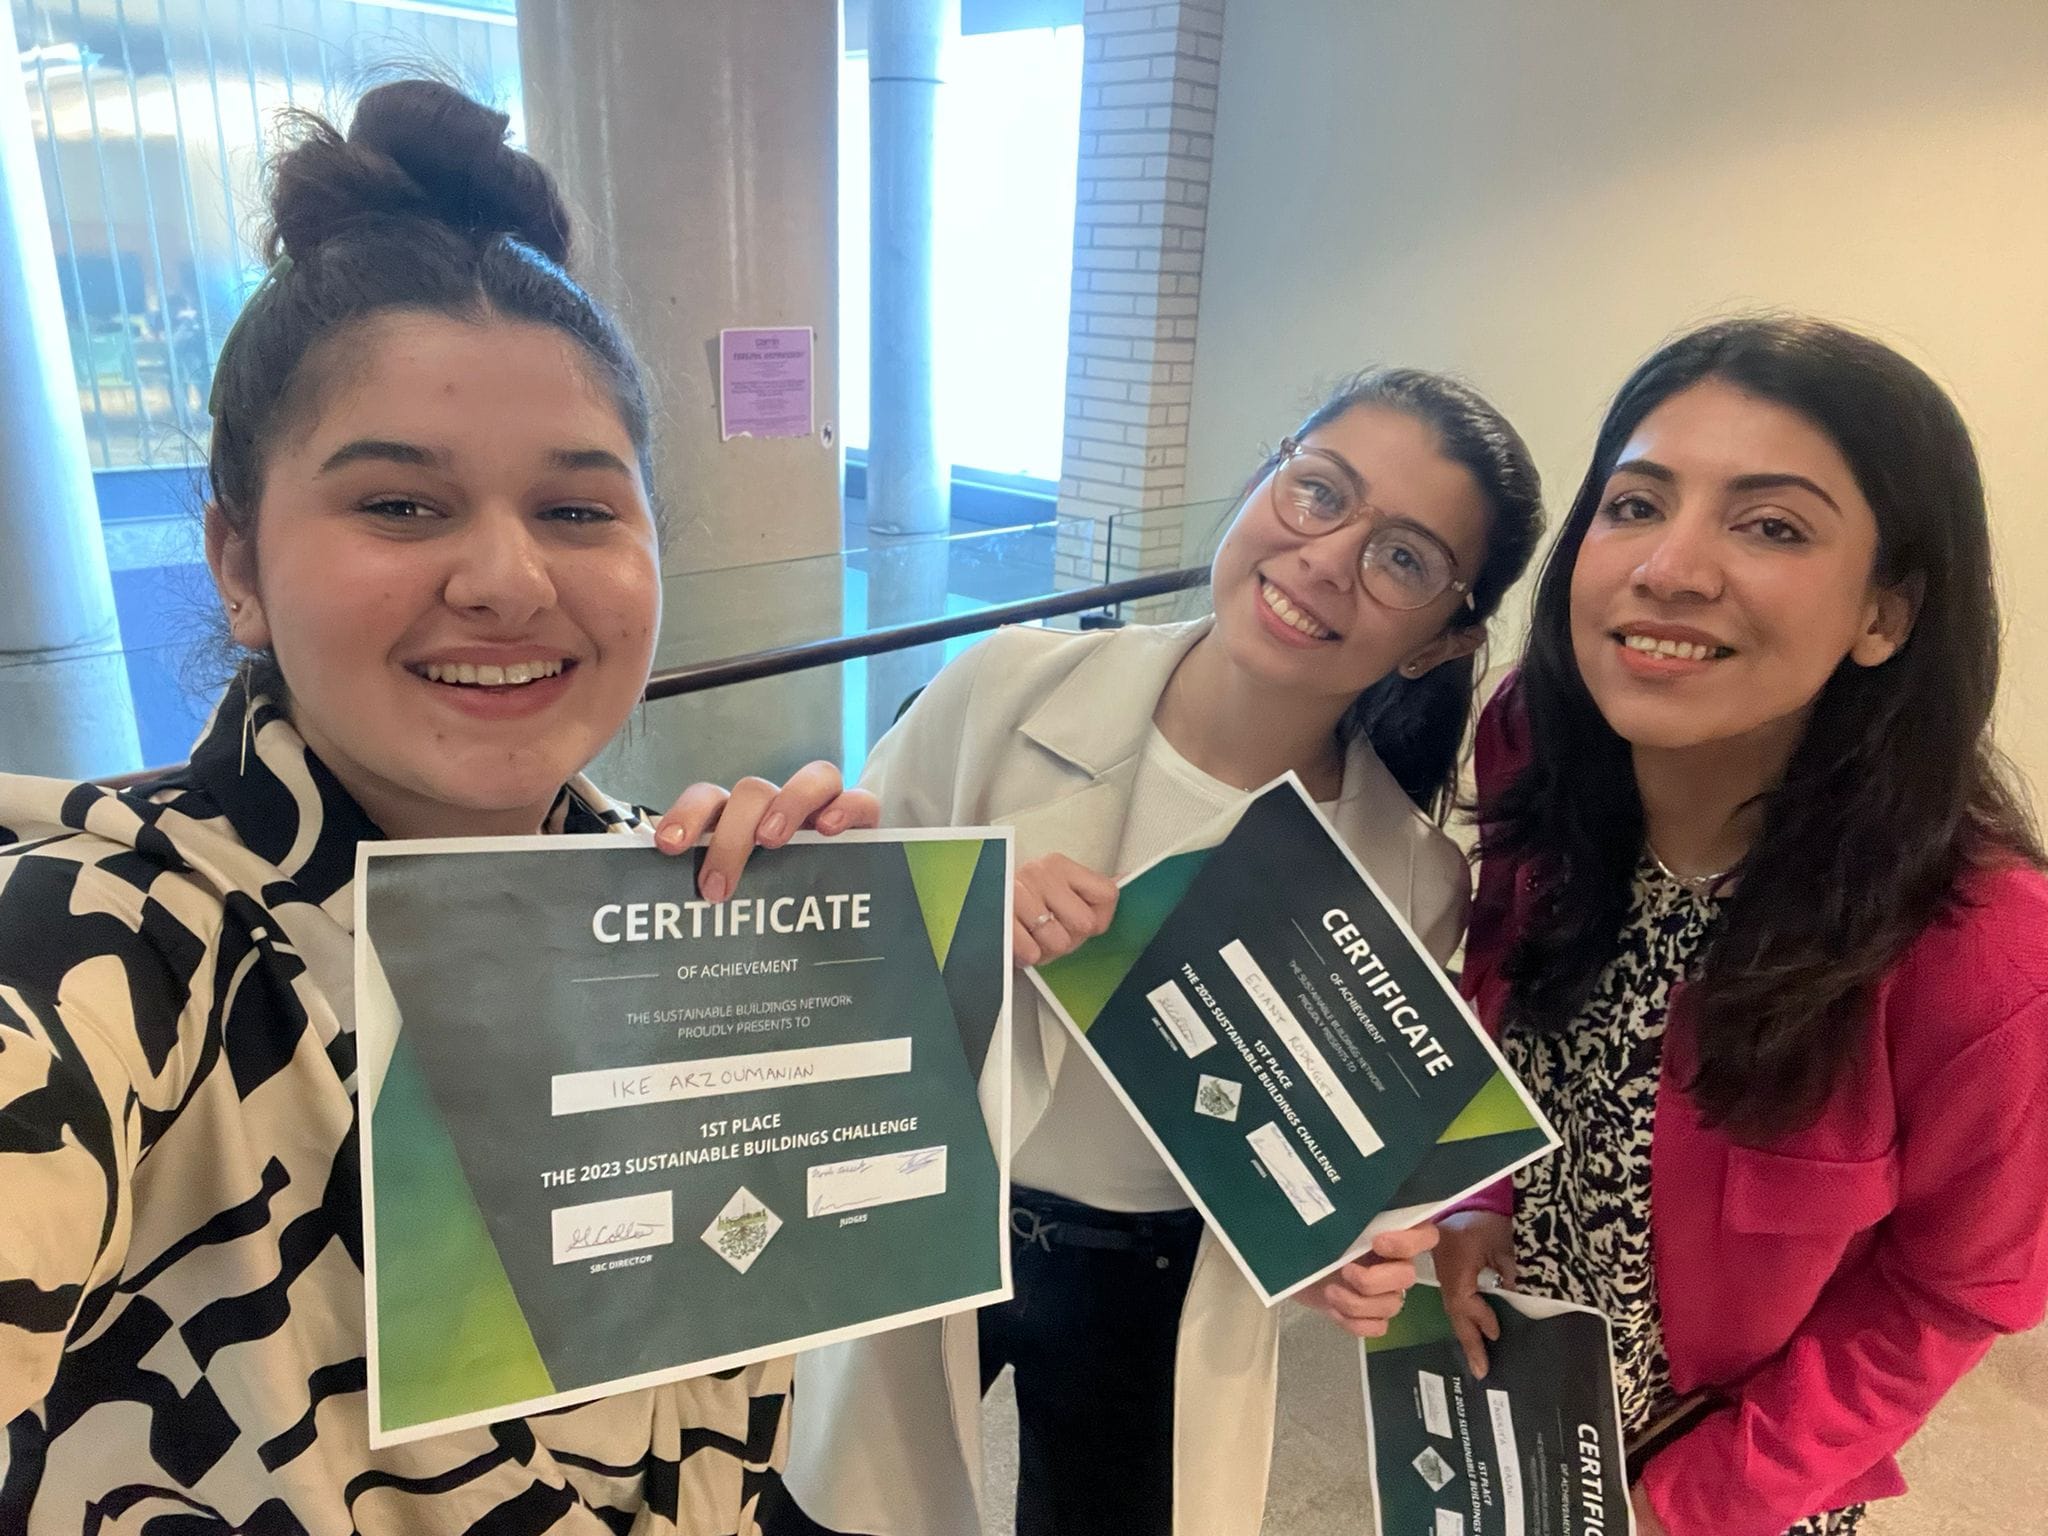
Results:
422 206
1894 790
1417 726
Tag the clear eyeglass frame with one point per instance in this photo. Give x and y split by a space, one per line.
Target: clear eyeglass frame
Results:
1379 562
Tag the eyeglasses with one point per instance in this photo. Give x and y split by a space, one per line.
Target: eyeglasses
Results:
1401 566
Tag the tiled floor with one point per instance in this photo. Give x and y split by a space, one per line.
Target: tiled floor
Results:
1977 1469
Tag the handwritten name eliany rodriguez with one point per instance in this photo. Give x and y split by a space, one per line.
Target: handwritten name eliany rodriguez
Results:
641 922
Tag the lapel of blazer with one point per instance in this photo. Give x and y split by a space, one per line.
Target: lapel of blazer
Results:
1094 723
1373 816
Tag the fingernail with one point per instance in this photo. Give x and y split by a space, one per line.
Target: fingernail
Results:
772 825
669 837
713 887
831 821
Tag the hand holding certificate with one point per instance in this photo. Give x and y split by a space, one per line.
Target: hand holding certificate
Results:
1289 1046
615 1135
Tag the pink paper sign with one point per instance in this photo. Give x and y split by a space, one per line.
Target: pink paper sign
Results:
764 382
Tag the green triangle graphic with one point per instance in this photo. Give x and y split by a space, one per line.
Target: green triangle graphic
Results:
451 1336
1087 978
1421 1320
941 871
1494 1109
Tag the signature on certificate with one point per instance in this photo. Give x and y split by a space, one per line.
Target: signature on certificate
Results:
603 1234
864 1181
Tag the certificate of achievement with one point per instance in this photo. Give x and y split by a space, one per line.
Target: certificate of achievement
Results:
1289 1046
614 1135
1533 1449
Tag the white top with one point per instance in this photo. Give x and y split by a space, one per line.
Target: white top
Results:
1089 1147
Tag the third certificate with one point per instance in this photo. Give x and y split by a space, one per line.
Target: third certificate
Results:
1532 1449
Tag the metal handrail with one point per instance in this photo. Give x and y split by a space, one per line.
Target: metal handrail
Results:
784 659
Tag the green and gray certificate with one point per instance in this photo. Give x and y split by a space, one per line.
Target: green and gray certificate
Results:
1533 1449
614 1135
1289 1046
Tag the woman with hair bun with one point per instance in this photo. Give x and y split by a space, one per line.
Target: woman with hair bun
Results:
431 530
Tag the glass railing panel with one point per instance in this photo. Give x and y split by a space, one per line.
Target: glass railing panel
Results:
766 726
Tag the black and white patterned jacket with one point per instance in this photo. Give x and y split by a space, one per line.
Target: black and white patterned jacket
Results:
181 1290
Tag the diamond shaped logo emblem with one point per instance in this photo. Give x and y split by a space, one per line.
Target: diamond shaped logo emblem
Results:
738 1233
1217 1097
1434 1469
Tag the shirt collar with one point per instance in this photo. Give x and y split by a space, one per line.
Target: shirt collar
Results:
289 809
1088 719
283 802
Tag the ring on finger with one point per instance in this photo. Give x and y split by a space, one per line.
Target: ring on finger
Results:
1040 921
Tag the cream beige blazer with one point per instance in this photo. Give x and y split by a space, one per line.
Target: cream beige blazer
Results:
1040 731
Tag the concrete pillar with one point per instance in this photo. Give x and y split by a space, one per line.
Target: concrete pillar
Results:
909 479
908 579
698 144
65 708
909 488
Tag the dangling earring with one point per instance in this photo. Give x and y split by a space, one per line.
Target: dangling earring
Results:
248 724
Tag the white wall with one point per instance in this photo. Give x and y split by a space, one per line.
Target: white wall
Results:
1535 194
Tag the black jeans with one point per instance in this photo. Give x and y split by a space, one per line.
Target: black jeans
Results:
1090 1335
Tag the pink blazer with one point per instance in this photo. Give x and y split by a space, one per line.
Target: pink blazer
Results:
1833 1286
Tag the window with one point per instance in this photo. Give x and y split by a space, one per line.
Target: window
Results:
151 120
1008 145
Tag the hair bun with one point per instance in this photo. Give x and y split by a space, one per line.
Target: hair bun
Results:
416 149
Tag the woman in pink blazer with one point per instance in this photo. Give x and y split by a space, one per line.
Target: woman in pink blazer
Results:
1762 922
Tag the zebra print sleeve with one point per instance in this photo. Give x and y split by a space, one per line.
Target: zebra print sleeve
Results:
69 1128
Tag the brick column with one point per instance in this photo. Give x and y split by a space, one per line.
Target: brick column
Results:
1148 123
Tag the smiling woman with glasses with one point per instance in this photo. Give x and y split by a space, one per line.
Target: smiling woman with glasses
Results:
1403 564
1351 591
